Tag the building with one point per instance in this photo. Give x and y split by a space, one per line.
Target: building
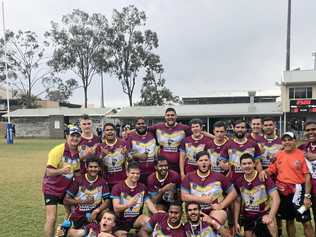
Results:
50 122
234 97
208 113
298 90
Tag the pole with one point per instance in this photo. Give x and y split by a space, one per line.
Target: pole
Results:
9 126
102 92
5 63
288 37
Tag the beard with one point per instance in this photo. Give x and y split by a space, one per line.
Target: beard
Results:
141 131
239 135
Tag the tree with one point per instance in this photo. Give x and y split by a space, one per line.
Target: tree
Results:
154 92
58 90
79 42
130 47
25 58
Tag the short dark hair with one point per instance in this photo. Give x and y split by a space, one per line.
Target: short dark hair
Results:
256 117
132 165
108 125
309 122
177 203
246 156
159 158
200 154
94 159
170 109
187 204
239 121
196 121
267 119
84 117
219 124
138 118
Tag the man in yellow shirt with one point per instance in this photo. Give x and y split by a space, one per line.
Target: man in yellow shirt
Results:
63 163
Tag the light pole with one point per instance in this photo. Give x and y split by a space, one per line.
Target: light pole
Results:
9 126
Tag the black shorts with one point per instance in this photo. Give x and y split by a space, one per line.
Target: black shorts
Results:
288 208
255 225
52 200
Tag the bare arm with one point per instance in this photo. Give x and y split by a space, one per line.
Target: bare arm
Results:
275 203
258 166
210 135
151 206
308 186
231 196
181 164
118 208
187 197
161 191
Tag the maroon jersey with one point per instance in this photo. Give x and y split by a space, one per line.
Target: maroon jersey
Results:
215 185
143 144
60 157
160 227
169 140
200 229
309 147
123 193
232 151
257 138
83 189
191 146
254 195
114 157
154 184
84 143
269 148
215 154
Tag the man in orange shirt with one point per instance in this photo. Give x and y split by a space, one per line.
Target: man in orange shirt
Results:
294 184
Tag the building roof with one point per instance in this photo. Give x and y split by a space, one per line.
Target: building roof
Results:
238 93
299 76
45 112
201 110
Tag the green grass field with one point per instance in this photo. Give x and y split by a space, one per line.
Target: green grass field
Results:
21 203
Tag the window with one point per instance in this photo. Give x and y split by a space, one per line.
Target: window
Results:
300 92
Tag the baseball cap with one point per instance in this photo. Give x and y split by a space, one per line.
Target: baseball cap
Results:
288 134
74 130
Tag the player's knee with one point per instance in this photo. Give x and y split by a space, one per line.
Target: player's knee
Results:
307 225
51 220
219 215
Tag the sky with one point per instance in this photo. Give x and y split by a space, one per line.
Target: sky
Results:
204 45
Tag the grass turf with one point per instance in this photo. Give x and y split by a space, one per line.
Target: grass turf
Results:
22 167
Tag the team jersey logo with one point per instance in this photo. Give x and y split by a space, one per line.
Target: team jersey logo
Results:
253 198
84 193
191 151
205 232
170 142
136 209
74 165
114 161
148 148
212 189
